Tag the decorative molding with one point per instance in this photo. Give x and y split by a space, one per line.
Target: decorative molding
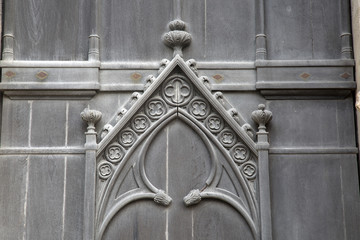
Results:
177 93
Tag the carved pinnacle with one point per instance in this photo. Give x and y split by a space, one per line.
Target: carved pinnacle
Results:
261 117
91 117
177 38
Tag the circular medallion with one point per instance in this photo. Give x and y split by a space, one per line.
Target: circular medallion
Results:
155 108
177 91
127 137
140 123
114 153
249 170
227 138
240 153
104 170
199 108
214 123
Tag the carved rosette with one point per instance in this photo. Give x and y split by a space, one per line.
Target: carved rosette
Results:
127 137
199 108
91 117
261 117
214 123
249 170
105 170
140 123
240 153
227 138
114 153
177 91
177 38
155 108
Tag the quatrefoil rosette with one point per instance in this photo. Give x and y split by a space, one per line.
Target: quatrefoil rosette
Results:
177 91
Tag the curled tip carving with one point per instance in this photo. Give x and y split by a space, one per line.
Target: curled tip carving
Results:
192 198
162 198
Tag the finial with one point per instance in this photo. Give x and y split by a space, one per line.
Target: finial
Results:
261 117
91 117
177 38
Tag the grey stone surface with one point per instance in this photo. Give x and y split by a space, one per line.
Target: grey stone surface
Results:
51 181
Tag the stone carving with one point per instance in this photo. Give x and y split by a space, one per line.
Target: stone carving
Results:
261 116
240 153
199 108
140 123
148 81
162 198
177 38
104 170
91 117
163 65
127 138
227 138
192 198
214 123
248 129
155 108
178 94
114 153
192 65
249 170
177 91
106 129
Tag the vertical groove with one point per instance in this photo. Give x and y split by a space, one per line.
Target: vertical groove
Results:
205 26
64 200
343 203
66 123
26 195
167 183
30 122
312 29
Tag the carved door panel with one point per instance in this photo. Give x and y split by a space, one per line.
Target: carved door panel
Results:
177 160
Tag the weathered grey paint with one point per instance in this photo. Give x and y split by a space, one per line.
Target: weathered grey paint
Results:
293 56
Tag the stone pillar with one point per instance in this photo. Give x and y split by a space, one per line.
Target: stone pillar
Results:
91 117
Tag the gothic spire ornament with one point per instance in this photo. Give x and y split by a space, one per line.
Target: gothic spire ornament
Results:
177 38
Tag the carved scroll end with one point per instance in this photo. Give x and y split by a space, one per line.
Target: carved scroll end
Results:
162 198
91 117
177 38
261 117
192 198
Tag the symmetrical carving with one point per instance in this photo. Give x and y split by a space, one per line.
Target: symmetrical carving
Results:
177 91
177 38
261 116
179 94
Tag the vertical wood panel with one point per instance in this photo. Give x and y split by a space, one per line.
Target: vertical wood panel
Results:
132 30
221 30
12 196
45 198
51 29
